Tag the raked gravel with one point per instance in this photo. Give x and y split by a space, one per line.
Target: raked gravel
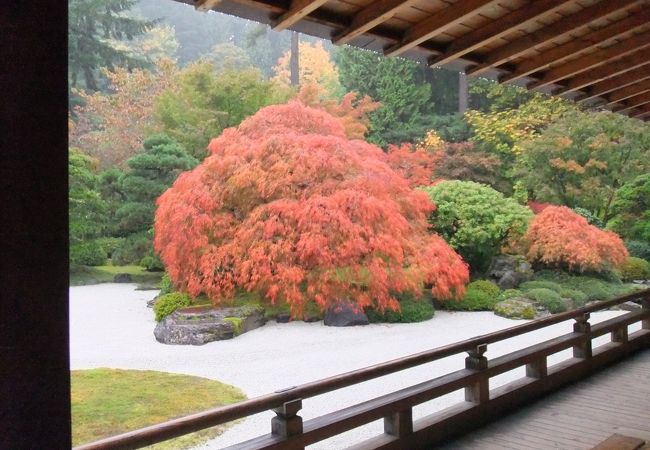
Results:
112 327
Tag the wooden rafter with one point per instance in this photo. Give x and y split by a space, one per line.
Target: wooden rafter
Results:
563 26
617 67
634 102
628 91
437 24
369 17
643 113
597 58
205 5
604 87
298 10
556 54
496 29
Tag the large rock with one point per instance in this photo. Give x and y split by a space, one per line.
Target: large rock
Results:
517 308
197 326
122 278
509 271
345 314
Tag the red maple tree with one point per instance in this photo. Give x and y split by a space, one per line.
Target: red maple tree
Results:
557 236
288 206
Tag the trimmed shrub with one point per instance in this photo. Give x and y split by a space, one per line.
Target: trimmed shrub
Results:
475 299
168 303
549 299
577 298
411 310
110 244
87 254
166 285
485 286
638 249
635 269
510 293
152 263
134 248
540 284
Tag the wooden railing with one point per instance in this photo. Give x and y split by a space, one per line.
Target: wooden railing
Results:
288 431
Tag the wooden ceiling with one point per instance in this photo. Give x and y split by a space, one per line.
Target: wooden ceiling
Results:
592 51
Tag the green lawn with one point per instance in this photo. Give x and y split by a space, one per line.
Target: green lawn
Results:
83 275
106 402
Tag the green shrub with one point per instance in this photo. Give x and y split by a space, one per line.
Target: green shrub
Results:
152 263
110 244
539 284
578 298
168 303
166 285
638 249
132 250
87 254
411 310
548 298
635 269
591 218
485 286
510 293
473 300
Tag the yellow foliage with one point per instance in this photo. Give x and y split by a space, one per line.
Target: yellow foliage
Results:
432 142
315 66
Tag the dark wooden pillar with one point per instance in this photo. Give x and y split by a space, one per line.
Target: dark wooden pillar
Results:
294 60
34 363
463 93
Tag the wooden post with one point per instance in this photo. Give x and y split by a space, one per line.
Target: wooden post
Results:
400 423
537 369
478 392
287 422
583 349
645 304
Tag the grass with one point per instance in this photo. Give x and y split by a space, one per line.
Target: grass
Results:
84 275
107 402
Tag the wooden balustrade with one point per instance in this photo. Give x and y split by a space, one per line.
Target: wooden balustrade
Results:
289 431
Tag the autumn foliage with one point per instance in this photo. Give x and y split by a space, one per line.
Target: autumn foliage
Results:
557 236
288 206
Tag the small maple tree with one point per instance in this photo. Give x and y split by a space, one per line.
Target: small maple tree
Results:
557 236
288 206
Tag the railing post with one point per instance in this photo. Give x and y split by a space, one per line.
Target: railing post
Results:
400 423
583 349
287 422
645 304
478 392
537 369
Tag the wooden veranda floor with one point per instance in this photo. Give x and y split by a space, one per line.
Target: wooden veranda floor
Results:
579 417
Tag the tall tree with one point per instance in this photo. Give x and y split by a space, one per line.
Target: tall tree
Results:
92 24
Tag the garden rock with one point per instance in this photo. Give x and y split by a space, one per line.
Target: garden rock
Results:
283 318
345 314
517 308
122 278
198 326
509 271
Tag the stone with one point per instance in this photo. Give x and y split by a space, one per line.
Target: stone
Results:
122 278
345 314
629 306
518 308
283 318
198 326
509 271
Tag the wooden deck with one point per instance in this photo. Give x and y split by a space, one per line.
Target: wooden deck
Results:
579 417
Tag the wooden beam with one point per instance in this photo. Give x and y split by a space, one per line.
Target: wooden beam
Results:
556 54
205 5
617 67
628 91
438 23
563 26
298 10
369 17
641 112
603 87
496 29
595 59
634 102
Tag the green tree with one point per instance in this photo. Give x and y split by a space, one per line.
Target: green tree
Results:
405 96
584 158
92 25
476 220
151 172
86 206
202 103
631 209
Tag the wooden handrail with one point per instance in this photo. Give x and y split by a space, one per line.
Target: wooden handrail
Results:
276 400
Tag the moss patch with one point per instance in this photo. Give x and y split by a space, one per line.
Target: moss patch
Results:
106 402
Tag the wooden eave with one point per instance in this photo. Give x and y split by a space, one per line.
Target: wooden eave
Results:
594 51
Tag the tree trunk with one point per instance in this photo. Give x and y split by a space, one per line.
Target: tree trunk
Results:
294 63
463 93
